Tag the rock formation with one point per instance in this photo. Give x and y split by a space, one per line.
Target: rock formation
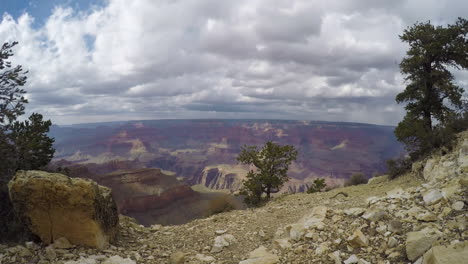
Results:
54 206
204 151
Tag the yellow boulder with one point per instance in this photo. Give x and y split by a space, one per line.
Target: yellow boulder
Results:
53 205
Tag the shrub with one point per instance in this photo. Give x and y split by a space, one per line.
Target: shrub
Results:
356 179
223 203
317 186
397 167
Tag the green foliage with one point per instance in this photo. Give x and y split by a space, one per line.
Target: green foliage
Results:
356 179
317 186
23 145
11 79
272 162
397 167
432 98
33 148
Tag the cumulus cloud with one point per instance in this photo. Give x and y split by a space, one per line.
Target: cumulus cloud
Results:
289 59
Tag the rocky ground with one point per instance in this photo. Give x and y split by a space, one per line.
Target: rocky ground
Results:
418 218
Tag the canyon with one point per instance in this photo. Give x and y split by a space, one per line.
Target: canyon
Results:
174 171
204 151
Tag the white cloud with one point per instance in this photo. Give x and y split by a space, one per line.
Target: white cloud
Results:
294 59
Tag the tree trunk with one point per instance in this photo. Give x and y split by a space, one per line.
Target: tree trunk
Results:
427 112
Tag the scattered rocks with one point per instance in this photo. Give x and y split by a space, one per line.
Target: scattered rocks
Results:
398 221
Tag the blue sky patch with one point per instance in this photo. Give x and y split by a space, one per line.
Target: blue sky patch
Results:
42 9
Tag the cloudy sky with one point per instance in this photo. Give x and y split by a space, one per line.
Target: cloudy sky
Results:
107 60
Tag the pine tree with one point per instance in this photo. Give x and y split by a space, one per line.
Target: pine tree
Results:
431 95
23 145
33 148
272 163
12 99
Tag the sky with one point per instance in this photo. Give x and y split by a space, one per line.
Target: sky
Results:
115 60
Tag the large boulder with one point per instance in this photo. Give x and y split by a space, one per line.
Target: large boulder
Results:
417 243
53 205
455 253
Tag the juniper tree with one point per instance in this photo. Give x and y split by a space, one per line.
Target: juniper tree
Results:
271 162
432 97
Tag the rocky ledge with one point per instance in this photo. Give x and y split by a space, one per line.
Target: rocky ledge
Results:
418 218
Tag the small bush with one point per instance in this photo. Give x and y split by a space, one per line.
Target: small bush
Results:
356 179
221 204
317 186
397 167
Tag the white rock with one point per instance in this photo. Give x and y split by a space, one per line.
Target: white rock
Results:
220 232
372 200
118 260
222 241
97 257
354 211
351 260
433 197
30 245
335 256
296 231
156 227
282 243
458 206
82 261
261 256
426 217
318 214
204 258
63 243
322 248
